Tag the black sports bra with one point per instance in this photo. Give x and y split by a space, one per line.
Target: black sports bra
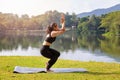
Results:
50 39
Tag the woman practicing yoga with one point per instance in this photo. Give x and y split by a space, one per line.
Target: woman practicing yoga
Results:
52 32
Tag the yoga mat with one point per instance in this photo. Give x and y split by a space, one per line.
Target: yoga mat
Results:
20 69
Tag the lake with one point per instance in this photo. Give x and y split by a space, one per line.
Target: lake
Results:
71 46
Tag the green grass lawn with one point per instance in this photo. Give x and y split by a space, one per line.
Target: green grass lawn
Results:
96 70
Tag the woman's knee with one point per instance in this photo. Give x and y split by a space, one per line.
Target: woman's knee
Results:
58 54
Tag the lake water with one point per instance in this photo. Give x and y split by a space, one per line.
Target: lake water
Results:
71 45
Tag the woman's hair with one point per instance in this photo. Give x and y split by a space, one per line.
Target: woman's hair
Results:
50 28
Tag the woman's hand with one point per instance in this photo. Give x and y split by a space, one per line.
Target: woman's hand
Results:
62 19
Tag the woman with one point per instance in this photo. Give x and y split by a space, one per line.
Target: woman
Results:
52 32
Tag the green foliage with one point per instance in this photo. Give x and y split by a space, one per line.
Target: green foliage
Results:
88 24
40 22
68 21
108 23
112 23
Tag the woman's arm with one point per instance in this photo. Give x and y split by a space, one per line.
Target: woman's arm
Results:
59 32
62 22
62 29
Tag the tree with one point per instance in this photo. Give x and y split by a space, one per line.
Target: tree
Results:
74 19
112 23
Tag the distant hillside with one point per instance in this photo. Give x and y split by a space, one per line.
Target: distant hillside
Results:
98 12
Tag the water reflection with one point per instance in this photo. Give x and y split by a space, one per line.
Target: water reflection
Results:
10 42
71 45
84 55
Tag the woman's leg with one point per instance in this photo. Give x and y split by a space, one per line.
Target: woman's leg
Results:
51 54
54 56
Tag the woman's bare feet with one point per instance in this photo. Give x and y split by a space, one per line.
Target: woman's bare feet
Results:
49 71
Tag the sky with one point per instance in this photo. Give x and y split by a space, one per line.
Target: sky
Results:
37 7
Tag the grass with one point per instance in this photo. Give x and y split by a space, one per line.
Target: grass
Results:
97 70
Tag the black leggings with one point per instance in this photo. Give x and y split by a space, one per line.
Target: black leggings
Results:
52 54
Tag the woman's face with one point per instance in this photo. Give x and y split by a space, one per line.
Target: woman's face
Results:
56 27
